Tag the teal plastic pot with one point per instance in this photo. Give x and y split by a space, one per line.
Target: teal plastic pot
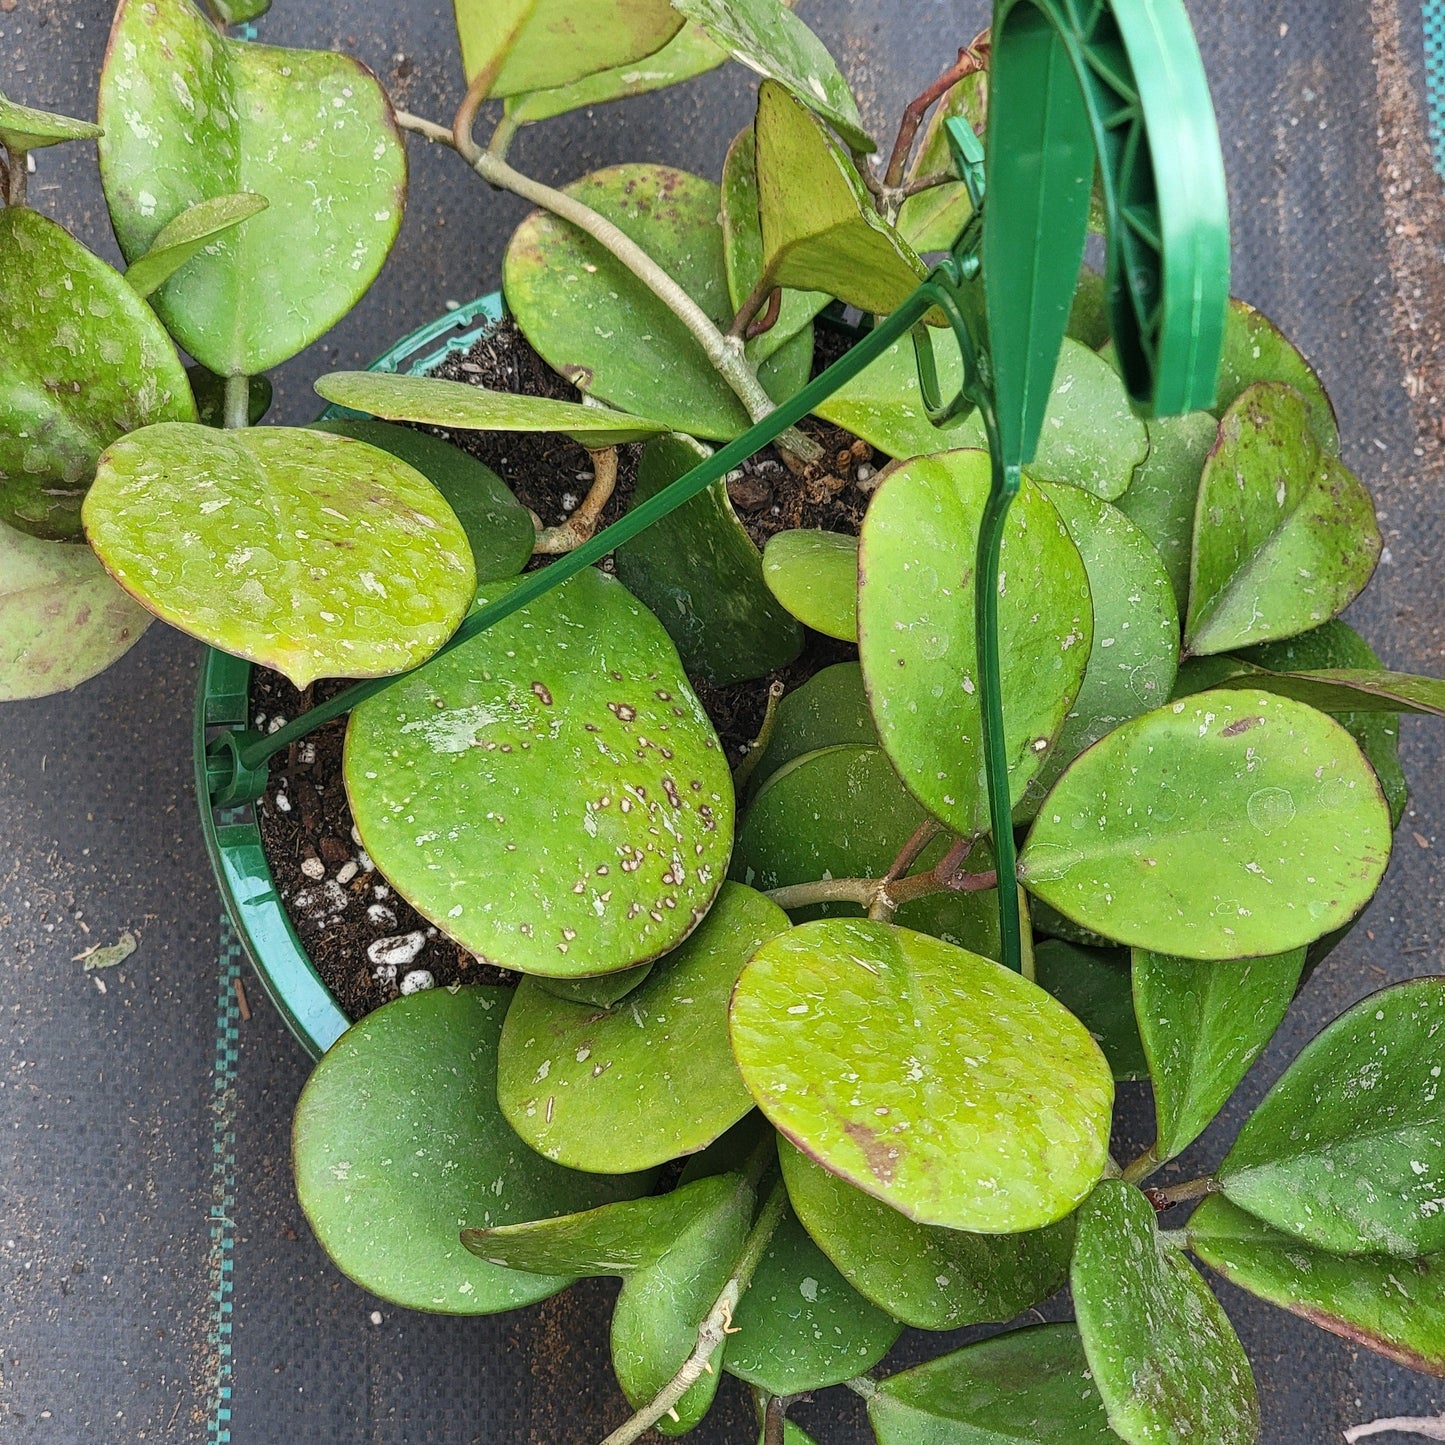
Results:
233 835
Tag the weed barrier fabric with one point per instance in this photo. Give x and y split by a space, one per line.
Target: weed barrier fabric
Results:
157 1281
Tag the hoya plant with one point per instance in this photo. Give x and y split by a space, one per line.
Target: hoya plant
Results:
762 1048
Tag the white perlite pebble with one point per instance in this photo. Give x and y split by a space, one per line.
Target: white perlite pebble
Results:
346 873
380 914
276 724
313 868
376 1317
398 951
417 980
283 803
356 835
364 859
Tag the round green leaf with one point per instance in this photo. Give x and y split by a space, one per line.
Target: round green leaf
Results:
316 555
1225 825
1031 1385
830 708
550 793
62 618
1160 1348
85 362
189 115
916 636
22 128
815 576
1347 1151
1203 1025
1284 534
892 1059
191 231
820 231
597 324
699 571
801 1326
431 401
841 812
1394 1307
499 528
1255 350
616 1090
769 39
398 1143
1093 984
601 991
1135 654
926 1276
210 393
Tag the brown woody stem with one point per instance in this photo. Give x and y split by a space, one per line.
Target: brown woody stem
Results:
579 527
971 59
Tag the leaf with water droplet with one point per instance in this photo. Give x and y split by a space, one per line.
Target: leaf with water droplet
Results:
181 238
85 362
23 128
653 1079
1347 1151
814 574
1093 984
929 1277
1284 535
1256 350
313 554
398 1143
916 636
190 115
887 1056
1224 825
550 793
1160 1348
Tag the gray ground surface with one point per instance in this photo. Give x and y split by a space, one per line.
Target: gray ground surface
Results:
106 1098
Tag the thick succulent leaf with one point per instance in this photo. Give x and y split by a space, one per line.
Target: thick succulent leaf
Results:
801 1326
1256 350
398 1143
916 637
191 231
814 574
526 45
890 1057
23 128
62 618
1160 1348
210 393
597 324
316 555
926 1276
499 528
841 812
1224 825
617 1238
828 710
1089 312
430 401
743 250
1284 534
601 991
1394 1307
1347 1151
1135 654
1093 984
550 793
1342 691
771 40
699 571
189 115
85 362
1203 1025
932 219
820 231
613 1091
1025 1387
1162 497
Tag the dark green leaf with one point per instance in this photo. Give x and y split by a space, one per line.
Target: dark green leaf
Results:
699 571
1284 535
1203 1025
1224 825
616 1090
210 393
190 114
316 555
561 810
1347 1151
1094 986
890 1057
1255 350
814 575
1392 1306
193 230
1160 1348
1089 315
85 362
22 128
829 709
926 1276
398 1143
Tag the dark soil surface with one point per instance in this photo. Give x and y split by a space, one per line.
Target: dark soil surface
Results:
364 939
